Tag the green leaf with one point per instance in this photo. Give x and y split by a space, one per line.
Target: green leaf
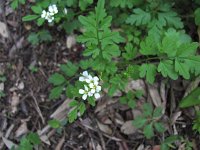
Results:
197 16
148 46
147 109
36 9
100 11
30 17
111 51
57 79
55 92
25 144
34 138
54 123
192 99
14 4
73 103
148 70
22 1
148 131
123 100
170 18
40 21
182 69
33 38
131 104
159 127
69 69
157 112
82 108
44 35
91 101
140 17
131 52
167 69
71 91
73 115
139 122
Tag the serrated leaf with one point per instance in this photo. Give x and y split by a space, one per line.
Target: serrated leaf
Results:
55 92
167 69
69 69
73 115
54 123
34 138
159 127
157 112
182 69
192 99
148 46
148 131
139 122
147 109
91 101
73 103
82 108
131 104
56 79
140 17
148 70
100 11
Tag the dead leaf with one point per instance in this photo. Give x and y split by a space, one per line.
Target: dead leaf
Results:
9 144
155 96
175 117
1 86
98 147
3 30
128 128
16 46
140 147
22 129
14 102
71 41
104 128
104 103
136 85
60 143
44 138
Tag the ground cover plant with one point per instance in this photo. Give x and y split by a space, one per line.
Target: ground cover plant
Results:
116 74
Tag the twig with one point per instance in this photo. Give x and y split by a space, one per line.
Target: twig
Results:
37 107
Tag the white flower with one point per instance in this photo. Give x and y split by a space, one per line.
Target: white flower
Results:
84 92
44 14
97 95
98 89
49 17
53 9
86 77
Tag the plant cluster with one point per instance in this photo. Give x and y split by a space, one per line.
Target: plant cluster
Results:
120 46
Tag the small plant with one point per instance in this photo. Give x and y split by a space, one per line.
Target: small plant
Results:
28 142
149 120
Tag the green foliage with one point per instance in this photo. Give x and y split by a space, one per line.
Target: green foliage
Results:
149 120
167 144
54 123
41 36
197 16
192 99
196 122
15 3
29 141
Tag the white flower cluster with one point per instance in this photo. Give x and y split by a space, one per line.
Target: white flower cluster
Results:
91 88
49 15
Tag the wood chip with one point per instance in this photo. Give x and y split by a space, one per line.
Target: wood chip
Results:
3 30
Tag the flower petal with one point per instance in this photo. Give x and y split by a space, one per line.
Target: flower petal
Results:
95 79
91 85
84 97
85 73
86 88
97 95
98 88
81 91
81 78
92 91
